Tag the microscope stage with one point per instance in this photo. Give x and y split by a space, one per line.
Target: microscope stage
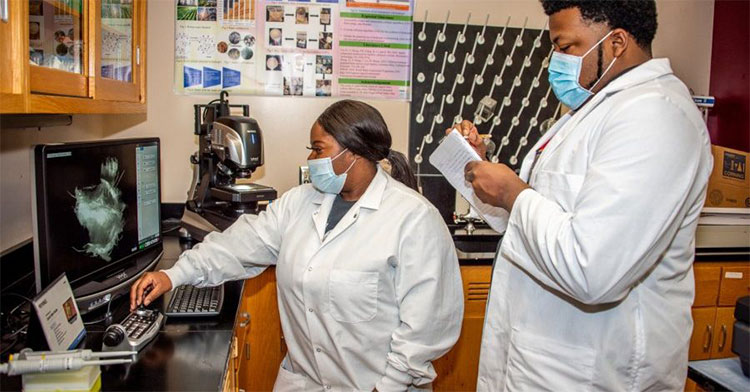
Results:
244 193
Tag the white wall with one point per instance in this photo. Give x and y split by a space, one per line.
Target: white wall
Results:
684 35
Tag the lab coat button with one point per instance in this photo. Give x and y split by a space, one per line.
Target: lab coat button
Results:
328 387
309 268
318 349
309 310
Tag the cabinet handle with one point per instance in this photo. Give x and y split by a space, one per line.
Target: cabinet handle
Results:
710 332
4 11
245 319
723 337
247 351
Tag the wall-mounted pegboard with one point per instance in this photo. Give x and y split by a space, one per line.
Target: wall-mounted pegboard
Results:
494 76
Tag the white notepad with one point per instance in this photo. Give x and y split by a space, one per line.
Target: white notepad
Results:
450 158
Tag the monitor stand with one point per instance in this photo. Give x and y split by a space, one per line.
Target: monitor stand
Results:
99 292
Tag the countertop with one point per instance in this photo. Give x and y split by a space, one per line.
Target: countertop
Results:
188 354
719 374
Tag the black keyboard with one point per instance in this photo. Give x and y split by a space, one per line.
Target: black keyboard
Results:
191 301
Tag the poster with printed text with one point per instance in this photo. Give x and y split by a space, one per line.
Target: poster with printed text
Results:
313 48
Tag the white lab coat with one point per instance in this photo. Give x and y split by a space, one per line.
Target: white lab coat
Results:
371 303
593 283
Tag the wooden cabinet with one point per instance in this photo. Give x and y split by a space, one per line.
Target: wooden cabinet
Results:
707 279
230 378
73 56
261 345
692 386
722 345
703 333
457 370
260 342
717 287
735 283
13 66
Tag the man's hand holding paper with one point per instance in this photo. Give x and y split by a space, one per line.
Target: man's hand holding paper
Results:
494 183
451 158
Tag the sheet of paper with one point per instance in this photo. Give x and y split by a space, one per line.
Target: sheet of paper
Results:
450 158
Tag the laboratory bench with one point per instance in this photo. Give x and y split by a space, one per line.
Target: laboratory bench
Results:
188 354
717 375
243 347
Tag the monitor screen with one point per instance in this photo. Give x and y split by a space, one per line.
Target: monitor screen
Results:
97 205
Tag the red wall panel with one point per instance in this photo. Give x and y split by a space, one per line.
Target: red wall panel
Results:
729 120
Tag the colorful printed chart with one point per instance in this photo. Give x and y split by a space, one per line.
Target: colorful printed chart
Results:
313 48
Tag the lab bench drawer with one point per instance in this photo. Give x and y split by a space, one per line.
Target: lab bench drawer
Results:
707 280
735 283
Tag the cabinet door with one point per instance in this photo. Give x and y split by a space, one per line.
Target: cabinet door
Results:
241 325
230 378
262 349
722 347
703 333
692 386
707 278
13 63
58 47
457 370
119 28
735 283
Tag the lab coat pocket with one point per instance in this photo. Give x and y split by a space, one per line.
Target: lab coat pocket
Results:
286 381
538 363
353 295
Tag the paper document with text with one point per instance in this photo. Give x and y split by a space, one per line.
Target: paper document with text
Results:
450 158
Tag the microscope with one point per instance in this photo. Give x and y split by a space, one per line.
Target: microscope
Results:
230 148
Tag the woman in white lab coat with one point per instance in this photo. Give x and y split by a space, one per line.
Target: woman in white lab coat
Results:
369 287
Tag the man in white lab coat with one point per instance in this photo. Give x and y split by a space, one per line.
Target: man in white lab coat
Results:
593 282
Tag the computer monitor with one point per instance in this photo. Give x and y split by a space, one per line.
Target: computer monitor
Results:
96 215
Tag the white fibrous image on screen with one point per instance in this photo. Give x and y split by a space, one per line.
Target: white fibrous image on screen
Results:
100 209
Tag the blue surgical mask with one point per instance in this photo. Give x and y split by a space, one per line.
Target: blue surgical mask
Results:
564 72
324 178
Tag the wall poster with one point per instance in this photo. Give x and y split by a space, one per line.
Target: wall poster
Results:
312 48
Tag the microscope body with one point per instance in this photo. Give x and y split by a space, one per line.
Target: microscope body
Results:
230 149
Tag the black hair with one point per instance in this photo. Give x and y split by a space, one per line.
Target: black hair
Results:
361 128
637 17
61 49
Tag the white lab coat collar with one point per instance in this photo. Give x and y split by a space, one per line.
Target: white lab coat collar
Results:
646 72
371 199
643 73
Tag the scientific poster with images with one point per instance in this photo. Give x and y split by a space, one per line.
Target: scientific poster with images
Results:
299 47
117 37
215 45
309 48
55 35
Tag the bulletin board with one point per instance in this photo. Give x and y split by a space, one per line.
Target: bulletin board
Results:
313 48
